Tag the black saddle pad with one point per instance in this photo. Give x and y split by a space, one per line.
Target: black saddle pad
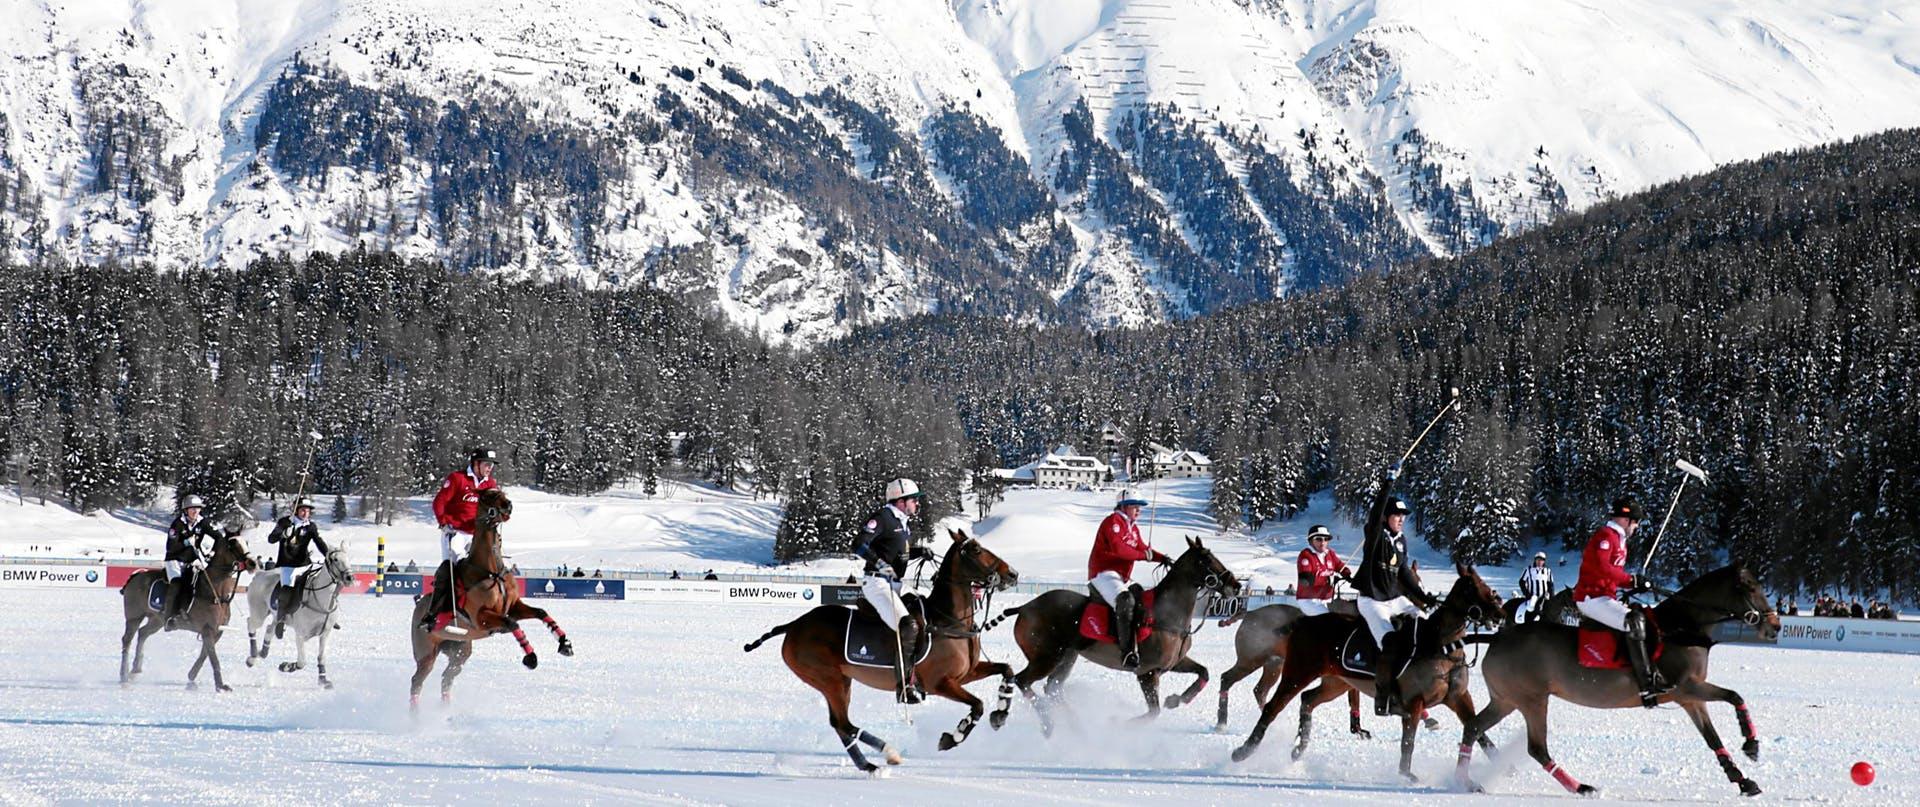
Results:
1358 652
872 644
157 593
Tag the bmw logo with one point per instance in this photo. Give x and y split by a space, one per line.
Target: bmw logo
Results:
1840 635
806 594
93 576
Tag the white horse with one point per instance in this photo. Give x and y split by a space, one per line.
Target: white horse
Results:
312 617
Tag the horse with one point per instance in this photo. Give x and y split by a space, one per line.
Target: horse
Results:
1527 664
311 618
1048 632
1313 654
206 613
812 649
1260 644
493 605
1558 609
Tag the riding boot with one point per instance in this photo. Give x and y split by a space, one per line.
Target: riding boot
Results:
287 597
907 690
179 600
441 601
1124 631
1652 684
1386 674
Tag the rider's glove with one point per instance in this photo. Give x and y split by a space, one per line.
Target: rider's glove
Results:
1162 559
199 565
1641 583
920 553
1391 473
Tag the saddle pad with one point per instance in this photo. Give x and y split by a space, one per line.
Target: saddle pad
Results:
872 644
1601 648
157 593
1358 652
1096 620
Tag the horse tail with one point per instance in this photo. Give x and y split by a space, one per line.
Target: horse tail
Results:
776 631
998 619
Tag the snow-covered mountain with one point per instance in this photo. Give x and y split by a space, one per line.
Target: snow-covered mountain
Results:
811 164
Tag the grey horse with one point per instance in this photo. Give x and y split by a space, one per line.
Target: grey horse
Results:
312 617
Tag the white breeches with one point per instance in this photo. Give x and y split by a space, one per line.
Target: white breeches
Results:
287 573
884 595
447 552
1311 607
1379 615
1526 607
1109 584
1604 610
175 569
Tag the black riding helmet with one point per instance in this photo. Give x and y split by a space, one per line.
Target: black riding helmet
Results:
483 455
1397 506
1627 507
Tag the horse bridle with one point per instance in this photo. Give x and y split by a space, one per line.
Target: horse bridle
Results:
1752 617
339 582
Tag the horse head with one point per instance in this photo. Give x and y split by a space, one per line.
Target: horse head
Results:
337 564
1472 595
228 551
494 508
974 564
1729 593
1206 571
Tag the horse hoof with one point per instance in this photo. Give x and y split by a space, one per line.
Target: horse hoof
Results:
1298 752
1752 749
1469 786
531 661
1587 790
996 720
1749 788
251 660
1363 734
875 771
1432 724
893 756
1409 778
566 648
222 688
191 686
1173 702
1219 728
326 684
288 666
947 742
1240 754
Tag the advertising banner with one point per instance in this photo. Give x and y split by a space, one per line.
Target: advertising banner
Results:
713 591
576 588
26 575
1829 633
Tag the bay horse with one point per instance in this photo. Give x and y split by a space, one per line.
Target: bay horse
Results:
1260 644
1558 609
1048 632
1528 664
312 615
492 605
1437 676
813 643
206 614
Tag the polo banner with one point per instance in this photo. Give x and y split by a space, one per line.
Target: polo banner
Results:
400 583
25 575
575 588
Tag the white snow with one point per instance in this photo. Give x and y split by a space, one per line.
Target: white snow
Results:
659 706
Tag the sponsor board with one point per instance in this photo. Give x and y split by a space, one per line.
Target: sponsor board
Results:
24 575
1866 635
400 584
576 588
792 594
832 594
117 575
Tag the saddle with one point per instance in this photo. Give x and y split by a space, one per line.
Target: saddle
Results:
1096 620
871 643
157 593
1358 652
1603 648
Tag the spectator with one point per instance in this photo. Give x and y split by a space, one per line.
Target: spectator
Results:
853 581
1793 607
561 572
1269 591
675 575
579 572
412 567
596 572
516 570
393 567
1857 611
711 575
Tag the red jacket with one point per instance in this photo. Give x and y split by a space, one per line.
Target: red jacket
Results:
1603 566
1316 575
459 500
1117 546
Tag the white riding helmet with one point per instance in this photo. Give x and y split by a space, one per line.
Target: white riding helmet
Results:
1128 498
192 501
1539 556
902 488
302 502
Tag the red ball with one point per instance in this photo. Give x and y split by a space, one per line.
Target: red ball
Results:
1862 774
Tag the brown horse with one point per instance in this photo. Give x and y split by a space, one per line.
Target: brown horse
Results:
1260 643
1048 632
206 614
1437 676
1528 664
812 650
493 605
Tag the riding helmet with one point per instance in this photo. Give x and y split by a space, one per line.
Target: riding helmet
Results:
1397 506
1627 507
1319 531
301 502
1128 498
192 501
481 455
902 488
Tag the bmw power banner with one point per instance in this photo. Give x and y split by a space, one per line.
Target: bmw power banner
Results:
22 575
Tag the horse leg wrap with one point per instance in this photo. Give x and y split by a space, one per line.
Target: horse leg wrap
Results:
521 637
1560 775
554 626
1746 720
1466 754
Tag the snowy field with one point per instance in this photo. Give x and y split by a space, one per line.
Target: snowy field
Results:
661 706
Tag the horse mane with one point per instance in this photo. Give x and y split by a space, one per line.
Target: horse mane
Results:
1673 611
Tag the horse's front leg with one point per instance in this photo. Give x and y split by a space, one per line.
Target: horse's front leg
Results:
212 640
1187 665
1708 692
299 661
126 643
1704 722
1003 701
1150 688
951 689
1409 730
320 661
521 610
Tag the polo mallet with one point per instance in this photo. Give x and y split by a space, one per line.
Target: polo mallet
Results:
1452 404
306 470
1687 469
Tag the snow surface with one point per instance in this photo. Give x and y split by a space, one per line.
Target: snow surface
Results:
659 706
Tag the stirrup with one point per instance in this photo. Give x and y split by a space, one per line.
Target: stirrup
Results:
1131 660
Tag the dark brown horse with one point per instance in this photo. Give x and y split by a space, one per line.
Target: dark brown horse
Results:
1437 677
1528 664
1260 643
1048 632
492 606
206 615
813 643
